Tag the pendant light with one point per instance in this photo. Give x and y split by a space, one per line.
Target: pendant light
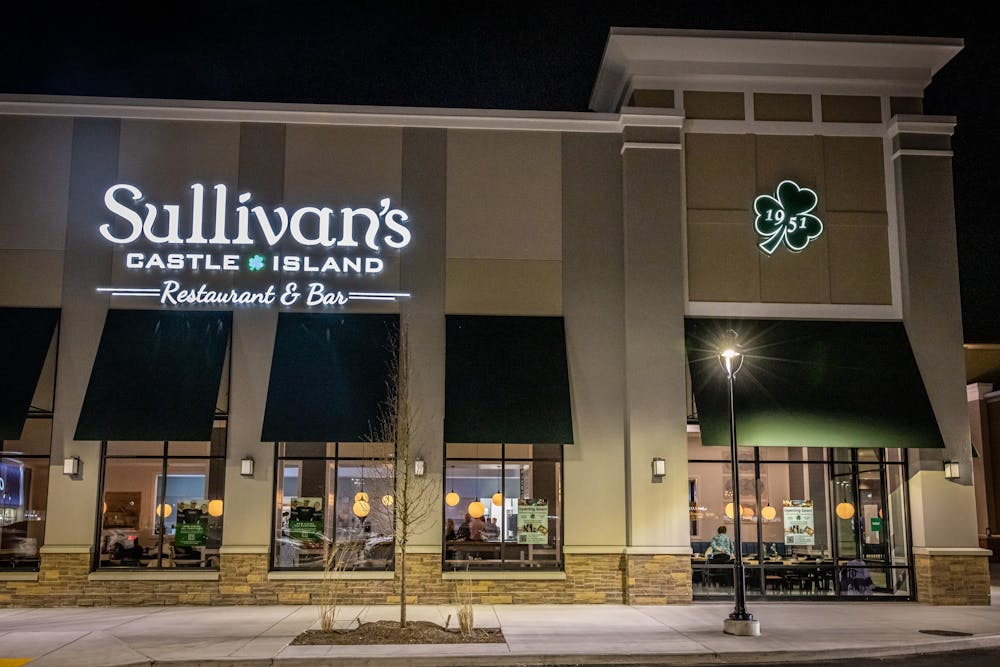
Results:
361 506
476 509
452 498
845 510
768 512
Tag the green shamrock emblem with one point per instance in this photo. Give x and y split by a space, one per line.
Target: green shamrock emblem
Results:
785 218
256 263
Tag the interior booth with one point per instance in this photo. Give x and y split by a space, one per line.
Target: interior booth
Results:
824 414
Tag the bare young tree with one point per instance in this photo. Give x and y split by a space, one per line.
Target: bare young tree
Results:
415 497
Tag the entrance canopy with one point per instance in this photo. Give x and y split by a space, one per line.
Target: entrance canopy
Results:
811 384
329 376
25 336
156 376
507 381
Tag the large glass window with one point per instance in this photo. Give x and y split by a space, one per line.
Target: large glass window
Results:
815 521
334 501
24 487
162 503
503 507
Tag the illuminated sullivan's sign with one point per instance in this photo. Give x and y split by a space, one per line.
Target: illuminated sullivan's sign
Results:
216 233
786 218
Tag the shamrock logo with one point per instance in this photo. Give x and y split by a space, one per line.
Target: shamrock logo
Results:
785 218
256 263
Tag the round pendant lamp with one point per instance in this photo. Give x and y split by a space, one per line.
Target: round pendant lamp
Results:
164 510
476 509
498 498
845 510
768 512
215 508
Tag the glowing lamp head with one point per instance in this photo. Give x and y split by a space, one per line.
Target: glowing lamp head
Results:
476 509
451 499
361 496
730 353
215 508
768 512
845 510
729 510
388 500
164 510
498 498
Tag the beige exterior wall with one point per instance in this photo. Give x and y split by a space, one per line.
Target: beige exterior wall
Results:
726 172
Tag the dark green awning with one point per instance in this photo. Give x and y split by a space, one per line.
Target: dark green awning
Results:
506 380
25 336
156 376
812 384
329 376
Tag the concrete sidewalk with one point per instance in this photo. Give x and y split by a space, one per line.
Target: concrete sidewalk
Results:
536 634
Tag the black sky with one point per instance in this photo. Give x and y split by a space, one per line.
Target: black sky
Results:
538 56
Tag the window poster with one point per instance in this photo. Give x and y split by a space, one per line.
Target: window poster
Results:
532 521
192 523
305 518
798 518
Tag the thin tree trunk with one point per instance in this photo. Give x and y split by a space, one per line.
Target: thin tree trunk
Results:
402 588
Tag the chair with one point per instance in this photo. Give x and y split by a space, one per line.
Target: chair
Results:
718 575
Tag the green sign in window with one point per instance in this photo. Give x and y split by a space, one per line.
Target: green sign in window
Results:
876 524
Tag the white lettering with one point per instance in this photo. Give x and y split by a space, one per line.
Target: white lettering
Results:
220 237
322 223
122 211
394 221
197 216
290 295
319 296
133 260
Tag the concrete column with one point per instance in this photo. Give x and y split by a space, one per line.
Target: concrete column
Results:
593 283
948 560
655 409
249 501
72 502
422 274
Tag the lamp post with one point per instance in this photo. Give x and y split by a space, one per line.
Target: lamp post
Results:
740 622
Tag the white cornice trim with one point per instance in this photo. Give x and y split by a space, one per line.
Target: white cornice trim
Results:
154 575
243 549
315 114
801 311
659 551
649 145
65 549
977 391
921 152
950 551
909 124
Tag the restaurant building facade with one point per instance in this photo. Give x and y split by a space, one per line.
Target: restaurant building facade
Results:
202 305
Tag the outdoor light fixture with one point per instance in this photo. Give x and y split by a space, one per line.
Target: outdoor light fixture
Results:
246 466
71 466
740 621
418 467
951 470
659 468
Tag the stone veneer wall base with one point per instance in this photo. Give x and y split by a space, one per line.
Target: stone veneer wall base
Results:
243 580
952 580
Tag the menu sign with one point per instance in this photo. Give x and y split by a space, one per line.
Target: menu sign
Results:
305 519
192 523
532 521
798 518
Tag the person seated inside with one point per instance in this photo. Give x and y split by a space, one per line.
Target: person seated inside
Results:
492 530
721 544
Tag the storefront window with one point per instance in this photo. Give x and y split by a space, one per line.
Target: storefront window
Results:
162 503
816 522
503 507
334 506
24 487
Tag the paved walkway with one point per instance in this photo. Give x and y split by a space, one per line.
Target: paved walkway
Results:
797 632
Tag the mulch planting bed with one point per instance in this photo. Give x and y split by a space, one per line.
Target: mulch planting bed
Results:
389 632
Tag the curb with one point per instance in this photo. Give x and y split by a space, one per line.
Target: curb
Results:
563 659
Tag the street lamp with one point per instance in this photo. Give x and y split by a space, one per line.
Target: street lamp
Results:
740 622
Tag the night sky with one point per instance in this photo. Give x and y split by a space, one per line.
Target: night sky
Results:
516 56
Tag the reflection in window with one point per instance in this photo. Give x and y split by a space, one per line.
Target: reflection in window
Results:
162 503
503 507
24 487
334 501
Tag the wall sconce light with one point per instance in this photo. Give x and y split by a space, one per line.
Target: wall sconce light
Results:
246 466
659 468
418 467
71 466
951 470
